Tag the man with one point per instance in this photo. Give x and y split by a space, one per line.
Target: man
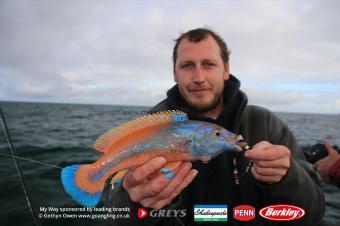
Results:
206 91
329 167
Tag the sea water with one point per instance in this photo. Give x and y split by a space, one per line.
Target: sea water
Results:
62 135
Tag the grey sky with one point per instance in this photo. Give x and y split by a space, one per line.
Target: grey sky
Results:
286 53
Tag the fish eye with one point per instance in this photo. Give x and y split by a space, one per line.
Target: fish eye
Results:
218 132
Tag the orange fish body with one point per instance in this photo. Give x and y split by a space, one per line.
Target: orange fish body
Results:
169 134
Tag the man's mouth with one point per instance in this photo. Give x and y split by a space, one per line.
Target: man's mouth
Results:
198 90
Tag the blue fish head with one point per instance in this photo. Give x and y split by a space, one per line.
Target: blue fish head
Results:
210 140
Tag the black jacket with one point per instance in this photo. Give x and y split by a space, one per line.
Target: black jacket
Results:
215 182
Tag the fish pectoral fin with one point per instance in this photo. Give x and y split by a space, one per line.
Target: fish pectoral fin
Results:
171 167
119 176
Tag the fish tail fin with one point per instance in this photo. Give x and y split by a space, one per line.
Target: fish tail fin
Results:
79 185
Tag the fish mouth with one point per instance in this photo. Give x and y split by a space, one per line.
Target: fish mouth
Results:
241 145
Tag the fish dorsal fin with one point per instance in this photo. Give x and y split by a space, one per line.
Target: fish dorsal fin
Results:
110 137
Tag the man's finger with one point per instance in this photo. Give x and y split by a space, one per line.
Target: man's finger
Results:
277 163
270 171
318 163
272 153
138 175
157 189
262 145
148 189
182 173
329 147
146 193
267 179
187 180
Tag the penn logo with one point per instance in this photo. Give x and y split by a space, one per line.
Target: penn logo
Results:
142 213
282 212
244 213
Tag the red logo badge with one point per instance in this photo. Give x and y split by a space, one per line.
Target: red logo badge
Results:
142 213
282 212
244 213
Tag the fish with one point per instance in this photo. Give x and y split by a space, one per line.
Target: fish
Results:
169 134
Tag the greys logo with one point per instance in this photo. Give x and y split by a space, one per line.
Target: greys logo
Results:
142 213
168 213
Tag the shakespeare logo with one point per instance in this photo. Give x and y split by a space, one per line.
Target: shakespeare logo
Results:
204 213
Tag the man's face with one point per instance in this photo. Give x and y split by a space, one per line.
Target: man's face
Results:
200 73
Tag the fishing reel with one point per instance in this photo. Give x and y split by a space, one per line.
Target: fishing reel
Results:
317 152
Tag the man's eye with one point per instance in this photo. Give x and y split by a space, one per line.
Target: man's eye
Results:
186 66
208 65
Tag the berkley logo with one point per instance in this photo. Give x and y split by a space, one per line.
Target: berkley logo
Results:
282 212
244 213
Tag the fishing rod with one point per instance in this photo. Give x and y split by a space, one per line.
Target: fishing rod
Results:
31 160
13 154
18 167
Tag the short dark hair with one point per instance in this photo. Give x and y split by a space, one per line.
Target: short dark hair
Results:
197 35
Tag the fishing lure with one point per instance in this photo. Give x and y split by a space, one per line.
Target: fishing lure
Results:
169 134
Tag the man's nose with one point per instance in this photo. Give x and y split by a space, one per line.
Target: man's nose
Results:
198 76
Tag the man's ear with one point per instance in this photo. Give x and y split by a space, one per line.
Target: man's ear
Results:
175 78
226 75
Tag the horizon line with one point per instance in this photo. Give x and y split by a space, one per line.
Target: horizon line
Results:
144 106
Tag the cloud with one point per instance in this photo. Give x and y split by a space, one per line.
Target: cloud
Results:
96 51
288 100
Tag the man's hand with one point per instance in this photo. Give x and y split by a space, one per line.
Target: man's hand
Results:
149 187
323 166
271 162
